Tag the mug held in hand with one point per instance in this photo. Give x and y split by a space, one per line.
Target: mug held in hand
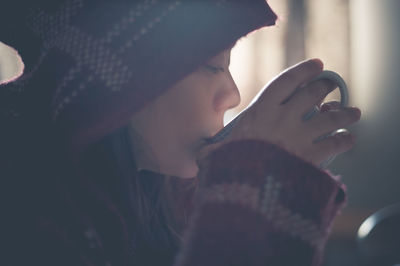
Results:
326 74
344 98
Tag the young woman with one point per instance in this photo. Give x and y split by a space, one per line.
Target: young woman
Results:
119 102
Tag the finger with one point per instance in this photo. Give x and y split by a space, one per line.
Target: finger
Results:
286 83
326 122
309 96
333 145
328 106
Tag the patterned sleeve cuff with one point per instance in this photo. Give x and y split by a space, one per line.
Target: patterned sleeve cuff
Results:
260 203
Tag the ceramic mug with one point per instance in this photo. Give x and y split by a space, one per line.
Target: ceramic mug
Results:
326 74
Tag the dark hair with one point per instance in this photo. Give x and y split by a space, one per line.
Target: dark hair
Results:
153 205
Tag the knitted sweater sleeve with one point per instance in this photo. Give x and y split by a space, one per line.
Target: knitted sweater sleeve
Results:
259 205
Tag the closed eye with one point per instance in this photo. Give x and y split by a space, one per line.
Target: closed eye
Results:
214 69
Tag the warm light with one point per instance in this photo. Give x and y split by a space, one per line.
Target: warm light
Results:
257 58
364 55
366 227
11 65
260 56
327 38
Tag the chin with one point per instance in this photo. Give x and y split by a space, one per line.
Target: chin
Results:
184 166
187 172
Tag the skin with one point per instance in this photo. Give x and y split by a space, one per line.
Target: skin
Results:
168 135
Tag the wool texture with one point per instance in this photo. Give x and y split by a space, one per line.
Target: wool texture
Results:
89 66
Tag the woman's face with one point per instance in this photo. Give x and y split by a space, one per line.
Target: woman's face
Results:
169 132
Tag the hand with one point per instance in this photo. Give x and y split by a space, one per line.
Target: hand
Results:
276 115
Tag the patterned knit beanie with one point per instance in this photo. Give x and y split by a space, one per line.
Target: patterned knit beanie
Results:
90 64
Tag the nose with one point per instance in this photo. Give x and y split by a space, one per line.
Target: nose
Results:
228 95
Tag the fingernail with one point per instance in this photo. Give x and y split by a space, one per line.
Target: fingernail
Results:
325 107
355 112
318 63
347 136
351 138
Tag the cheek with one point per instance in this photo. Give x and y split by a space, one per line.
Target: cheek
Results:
201 115
218 102
191 110
196 102
201 109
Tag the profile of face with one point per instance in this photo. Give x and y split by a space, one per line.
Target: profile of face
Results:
168 133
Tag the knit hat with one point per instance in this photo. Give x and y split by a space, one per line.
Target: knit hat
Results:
91 64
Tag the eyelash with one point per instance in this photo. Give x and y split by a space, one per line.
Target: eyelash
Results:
214 69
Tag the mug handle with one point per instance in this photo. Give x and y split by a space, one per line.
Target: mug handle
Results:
326 74
336 78
344 98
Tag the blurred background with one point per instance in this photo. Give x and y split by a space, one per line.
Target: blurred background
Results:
359 39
